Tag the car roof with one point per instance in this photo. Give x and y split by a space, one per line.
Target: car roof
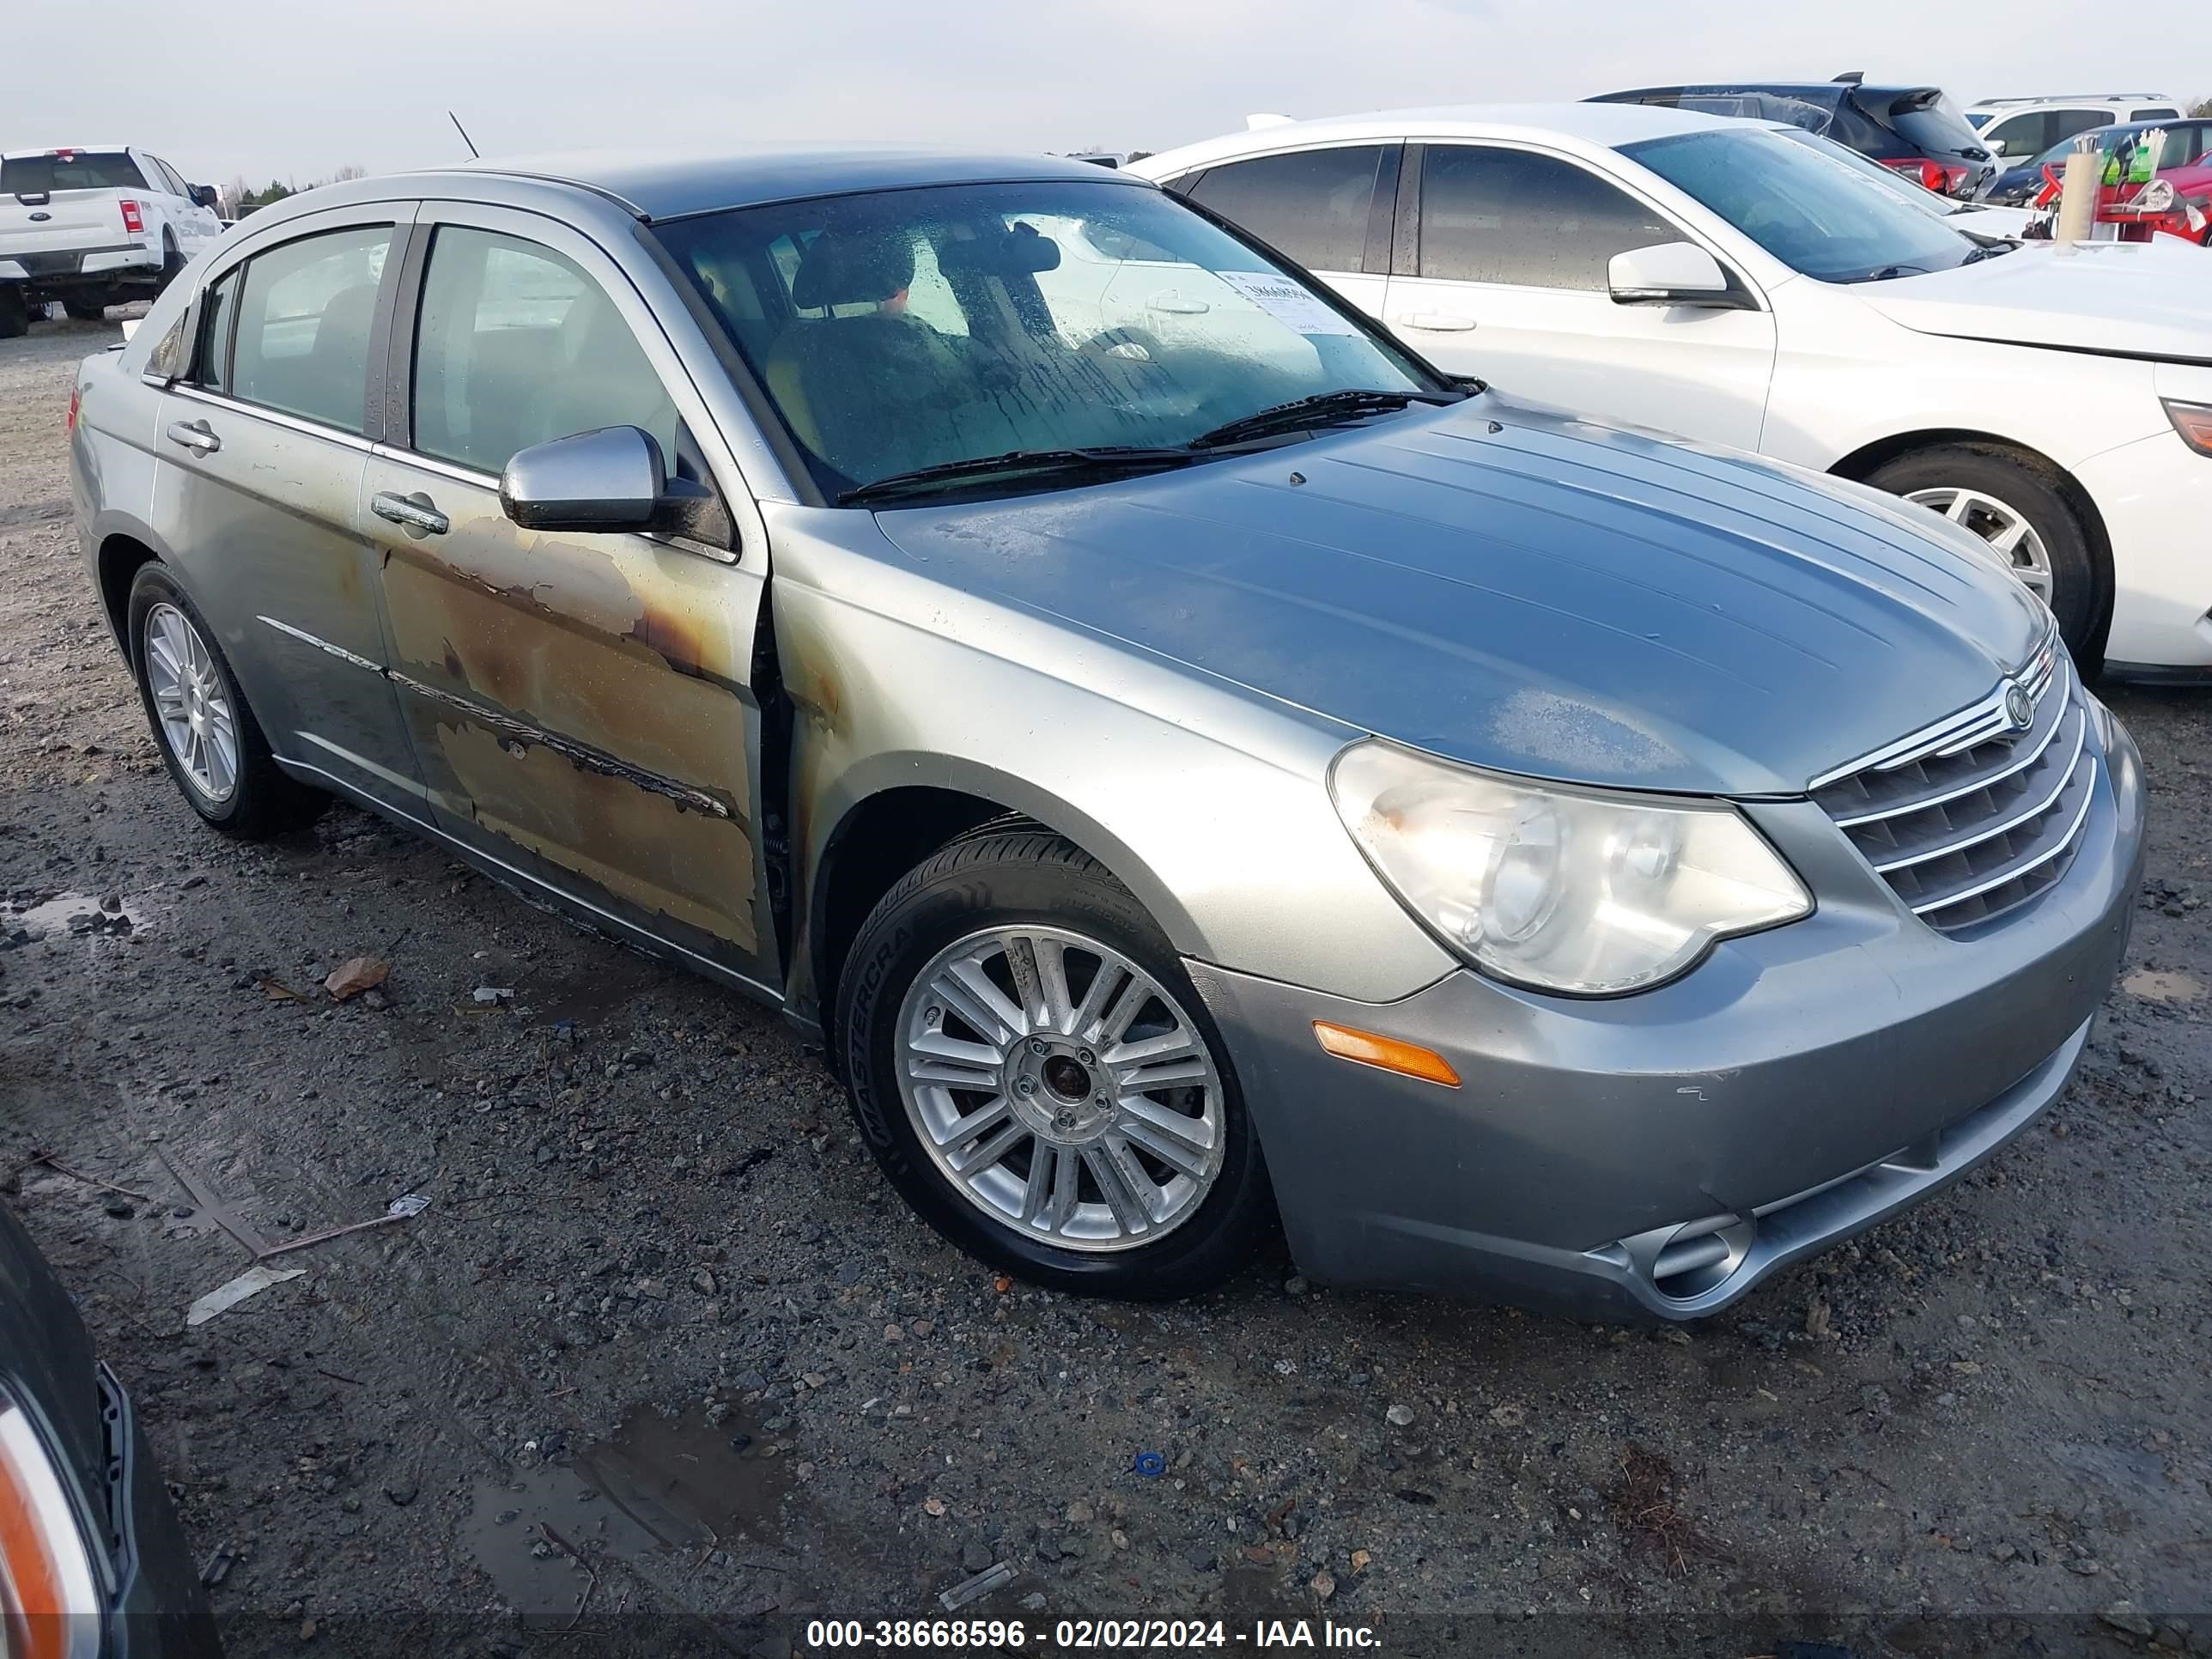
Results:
1600 125
2017 104
1795 88
655 185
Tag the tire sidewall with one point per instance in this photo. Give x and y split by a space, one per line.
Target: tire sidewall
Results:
2078 583
153 586
917 921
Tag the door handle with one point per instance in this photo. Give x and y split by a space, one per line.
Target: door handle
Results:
417 514
1436 322
195 435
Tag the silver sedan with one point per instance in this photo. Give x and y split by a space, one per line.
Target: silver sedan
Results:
1193 765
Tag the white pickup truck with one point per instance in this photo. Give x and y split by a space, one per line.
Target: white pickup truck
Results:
94 226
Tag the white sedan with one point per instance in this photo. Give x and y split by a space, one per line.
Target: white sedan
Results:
1714 280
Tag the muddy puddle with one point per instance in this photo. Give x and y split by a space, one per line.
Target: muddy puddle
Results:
67 915
660 1487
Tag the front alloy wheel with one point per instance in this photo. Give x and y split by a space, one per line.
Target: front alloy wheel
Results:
1035 1072
1060 1090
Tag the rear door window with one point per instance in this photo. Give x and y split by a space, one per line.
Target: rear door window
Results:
1311 203
2159 113
1513 217
2025 135
515 345
305 312
211 354
77 169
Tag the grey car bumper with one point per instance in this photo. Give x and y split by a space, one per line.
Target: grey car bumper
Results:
1659 1155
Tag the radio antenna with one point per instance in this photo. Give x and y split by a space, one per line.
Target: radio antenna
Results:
475 154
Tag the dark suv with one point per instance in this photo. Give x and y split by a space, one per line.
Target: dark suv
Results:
1916 130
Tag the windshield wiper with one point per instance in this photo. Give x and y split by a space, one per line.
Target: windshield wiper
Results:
1322 409
1101 461
1887 272
1988 251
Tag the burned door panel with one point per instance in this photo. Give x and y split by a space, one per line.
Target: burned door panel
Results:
581 701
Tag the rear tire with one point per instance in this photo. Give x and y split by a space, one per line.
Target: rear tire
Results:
172 261
208 737
2009 497
1077 1194
14 312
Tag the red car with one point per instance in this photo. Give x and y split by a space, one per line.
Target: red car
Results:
2186 212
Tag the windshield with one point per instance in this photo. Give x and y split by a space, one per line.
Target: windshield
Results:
79 170
1873 170
903 330
1819 219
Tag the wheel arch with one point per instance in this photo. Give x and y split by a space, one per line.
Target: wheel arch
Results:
889 823
122 555
1870 457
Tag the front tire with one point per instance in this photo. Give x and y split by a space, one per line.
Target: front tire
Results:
1036 1076
85 310
208 737
2020 507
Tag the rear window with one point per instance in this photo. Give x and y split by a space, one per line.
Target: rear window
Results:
82 169
1935 128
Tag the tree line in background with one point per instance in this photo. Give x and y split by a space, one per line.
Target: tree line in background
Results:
238 198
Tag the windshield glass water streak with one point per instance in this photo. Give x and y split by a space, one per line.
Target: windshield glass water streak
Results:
909 332
1819 219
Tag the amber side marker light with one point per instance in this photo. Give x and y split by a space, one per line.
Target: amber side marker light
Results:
2193 421
1387 1053
49 1603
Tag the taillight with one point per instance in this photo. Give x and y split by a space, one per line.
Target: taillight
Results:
134 218
77 395
48 1600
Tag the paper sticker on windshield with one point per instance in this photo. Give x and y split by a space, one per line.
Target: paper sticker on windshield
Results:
1288 303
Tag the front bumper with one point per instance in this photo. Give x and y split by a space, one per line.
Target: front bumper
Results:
1659 1155
2155 498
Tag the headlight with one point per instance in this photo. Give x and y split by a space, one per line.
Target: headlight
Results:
1561 889
48 1596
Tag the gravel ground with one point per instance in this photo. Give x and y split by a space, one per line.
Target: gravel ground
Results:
664 1365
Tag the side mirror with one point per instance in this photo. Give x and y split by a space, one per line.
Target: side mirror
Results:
1667 274
1995 146
203 196
609 480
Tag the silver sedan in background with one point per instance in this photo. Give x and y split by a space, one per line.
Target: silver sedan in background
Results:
1191 763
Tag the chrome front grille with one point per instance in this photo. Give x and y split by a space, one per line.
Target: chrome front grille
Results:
1972 817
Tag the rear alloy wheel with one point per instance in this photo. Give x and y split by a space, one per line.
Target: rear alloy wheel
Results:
1037 1077
2019 507
208 736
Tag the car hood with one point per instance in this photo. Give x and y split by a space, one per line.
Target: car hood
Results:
1524 591
2129 299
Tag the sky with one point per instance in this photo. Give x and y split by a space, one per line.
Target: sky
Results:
296 88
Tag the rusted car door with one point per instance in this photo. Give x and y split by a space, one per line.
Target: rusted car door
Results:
581 704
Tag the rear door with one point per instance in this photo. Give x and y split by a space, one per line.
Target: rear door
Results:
1504 275
263 445
1328 209
581 704
196 228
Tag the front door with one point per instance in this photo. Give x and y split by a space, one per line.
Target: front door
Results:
262 449
581 704
1505 278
